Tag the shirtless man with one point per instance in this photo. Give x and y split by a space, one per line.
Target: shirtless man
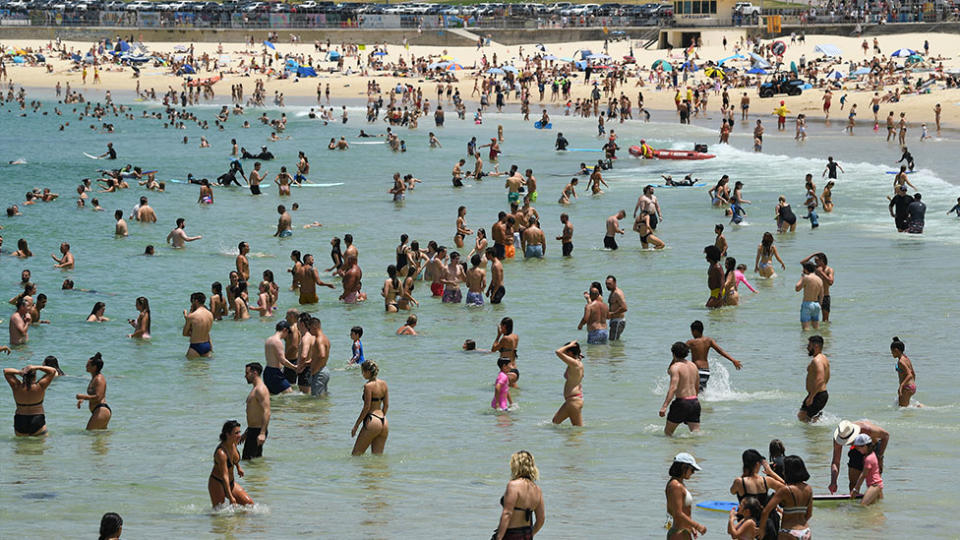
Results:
496 290
617 308
308 277
243 265
436 270
255 178
818 375
744 107
273 350
258 413
682 394
513 184
145 213
825 273
452 276
648 203
498 231
533 241
476 278
714 276
121 227
292 352
613 229
844 435
531 183
595 318
566 235
314 353
812 287
20 322
457 173
700 347
350 250
196 326
284 223
65 261
352 276
178 237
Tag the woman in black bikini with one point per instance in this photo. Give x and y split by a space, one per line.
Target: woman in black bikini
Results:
373 416
225 458
753 484
506 344
28 394
521 501
100 412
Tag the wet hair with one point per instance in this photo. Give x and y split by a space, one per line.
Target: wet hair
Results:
731 264
776 449
371 367
110 524
217 288
470 345
118 214
794 470
679 349
97 361
810 267
148 250
750 459
696 326
268 275
461 209
678 469
180 222
255 367
392 273
51 361
897 345
507 323
281 326
412 320
67 285
767 240
227 429
475 260
241 244
522 465
403 237
97 307
503 362
821 257
713 253
348 238
198 297
718 227
753 505
358 330
816 340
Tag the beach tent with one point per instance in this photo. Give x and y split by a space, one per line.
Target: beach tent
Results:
19 60
736 56
836 75
829 50
662 64
333 55
903 53
123 46
40 57
584 53
689 64
757 70
187 68
75 57
379 53
306 71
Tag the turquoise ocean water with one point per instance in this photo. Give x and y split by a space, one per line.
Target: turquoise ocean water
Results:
446 460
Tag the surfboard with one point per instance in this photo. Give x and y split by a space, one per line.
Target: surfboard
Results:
149 172
583 149
331 184
898 172
835 498
214 184
666 186
718 506
368 142
539 125
91 156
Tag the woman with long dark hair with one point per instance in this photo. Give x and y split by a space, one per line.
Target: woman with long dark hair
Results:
100 412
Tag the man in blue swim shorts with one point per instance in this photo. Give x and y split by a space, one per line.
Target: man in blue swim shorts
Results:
284 224
812 287
476 279
595 318
273 350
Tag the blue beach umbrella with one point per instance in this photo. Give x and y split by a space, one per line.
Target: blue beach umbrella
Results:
736 56
268 44
550 57
861 71
756 70
438 65
836 75
510 69
495 71
379 53
903 53
658 63
829 50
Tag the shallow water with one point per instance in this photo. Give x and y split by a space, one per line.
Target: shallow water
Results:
446 448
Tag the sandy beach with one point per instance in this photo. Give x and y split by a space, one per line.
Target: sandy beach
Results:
919 108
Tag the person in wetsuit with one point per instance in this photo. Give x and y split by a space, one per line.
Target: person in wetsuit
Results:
898 207
265 154
907 157
230 177
562 142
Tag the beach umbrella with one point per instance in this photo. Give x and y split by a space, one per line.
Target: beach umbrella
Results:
793 67
550 57
759 60
495 71
734 57
510 69
914 58
757 70
829 50
438 65
662 64
566 59
903 53
835 75
453 67
268 44
598 56
379 53
861 71
689 64
714 72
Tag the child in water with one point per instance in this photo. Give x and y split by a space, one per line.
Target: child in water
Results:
871 471
743 519
357 348
501 390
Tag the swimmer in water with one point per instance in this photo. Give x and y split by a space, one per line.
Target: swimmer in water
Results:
100 412
408 329
570 354
221 485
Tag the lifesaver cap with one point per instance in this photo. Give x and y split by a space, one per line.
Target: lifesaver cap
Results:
643 141
781 102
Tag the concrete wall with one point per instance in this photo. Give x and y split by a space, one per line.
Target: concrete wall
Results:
178 35
868 30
